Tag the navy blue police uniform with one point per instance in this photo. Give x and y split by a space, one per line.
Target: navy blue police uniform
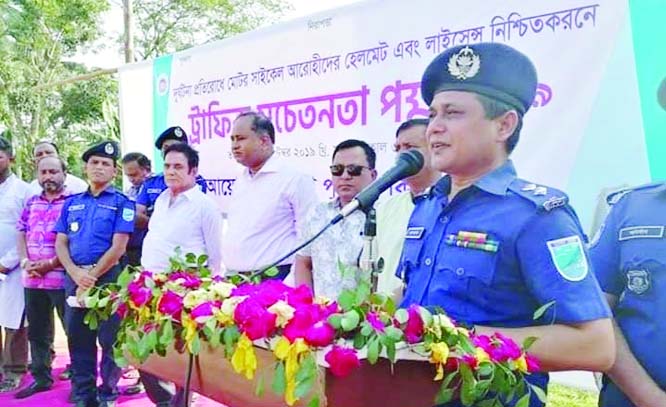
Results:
90 222
155 185
503 247
629 259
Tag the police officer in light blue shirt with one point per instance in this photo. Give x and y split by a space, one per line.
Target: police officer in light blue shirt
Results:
155 185
93 230
487 246
629 258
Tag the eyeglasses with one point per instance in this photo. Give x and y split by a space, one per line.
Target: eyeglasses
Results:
353 170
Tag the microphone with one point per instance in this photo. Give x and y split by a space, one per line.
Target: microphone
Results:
407 164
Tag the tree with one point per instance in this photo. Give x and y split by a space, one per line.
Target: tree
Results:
166 26
36 38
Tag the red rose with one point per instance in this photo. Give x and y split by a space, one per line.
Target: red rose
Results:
342 361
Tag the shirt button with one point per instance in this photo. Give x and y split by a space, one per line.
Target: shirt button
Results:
428 261
460 271
444 219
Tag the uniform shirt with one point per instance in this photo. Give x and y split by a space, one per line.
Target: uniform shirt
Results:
192 222
629 258
136 239
38 221
91 221
152 188
540 257
342 243
392 218
73 185
264 215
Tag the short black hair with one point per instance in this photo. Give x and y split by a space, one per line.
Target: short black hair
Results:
191 154
493 109
260 124
52 144
411 123
140 159
351 143
6 146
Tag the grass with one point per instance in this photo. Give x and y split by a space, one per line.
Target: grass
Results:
563 396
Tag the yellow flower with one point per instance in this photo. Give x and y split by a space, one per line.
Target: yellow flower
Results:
194 298
481 355
226 313
463 331
190 330
321 300
284 312
439 354
159 277
244 360
292 354
221 289
521 363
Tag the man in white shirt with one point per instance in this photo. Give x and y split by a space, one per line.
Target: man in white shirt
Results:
353 169
14 349
269 201
184 216
73 184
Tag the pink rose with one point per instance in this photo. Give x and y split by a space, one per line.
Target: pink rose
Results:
320 334
189 280
301 295
414 329
470 361
532 363
202 312
139 294
253 319
375 322
305 317
342 361
122 310
171 304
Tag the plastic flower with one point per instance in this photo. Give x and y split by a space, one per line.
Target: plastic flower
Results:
253 319
375 322
139 294
244 360
283 311
414 329
342 361
439 355
171 304
320 334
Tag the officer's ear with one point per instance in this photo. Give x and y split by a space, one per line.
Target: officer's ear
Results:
193 171
506 124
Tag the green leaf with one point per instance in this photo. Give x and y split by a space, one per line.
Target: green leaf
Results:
350 320
444 395
314 402
167 333
307 369
402 316
539 392
335 320
393 333
346 300
362 293
303 388
389 306
529 341
259 390
271 272
103 302
191 258
390 350
360 340
230 336
485 368
125 277
279 380
523 401
202 259
542 310
366 329
373 350
426 316
195 346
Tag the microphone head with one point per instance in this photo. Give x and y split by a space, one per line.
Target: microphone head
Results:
412 160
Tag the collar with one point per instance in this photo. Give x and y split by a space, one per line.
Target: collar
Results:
189 194
273 164
495 182
64 194
108 190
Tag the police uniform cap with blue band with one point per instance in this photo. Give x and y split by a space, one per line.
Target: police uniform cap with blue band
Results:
108 149
490 69
172 133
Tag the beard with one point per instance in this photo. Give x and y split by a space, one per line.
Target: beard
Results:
51 186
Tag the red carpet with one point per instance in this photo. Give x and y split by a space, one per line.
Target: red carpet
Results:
57 396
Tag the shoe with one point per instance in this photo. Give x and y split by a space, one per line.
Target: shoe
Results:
10 383
32 389
66 374
107 403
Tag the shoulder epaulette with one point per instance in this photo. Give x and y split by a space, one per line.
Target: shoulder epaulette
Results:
544 198
615 197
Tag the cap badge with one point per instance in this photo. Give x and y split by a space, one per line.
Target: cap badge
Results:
464 64
108 148
178 132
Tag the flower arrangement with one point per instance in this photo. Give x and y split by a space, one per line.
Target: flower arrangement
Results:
185 306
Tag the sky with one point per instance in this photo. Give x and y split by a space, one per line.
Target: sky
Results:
108 56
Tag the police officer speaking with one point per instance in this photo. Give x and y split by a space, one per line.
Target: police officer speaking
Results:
629 259
93 230
487 246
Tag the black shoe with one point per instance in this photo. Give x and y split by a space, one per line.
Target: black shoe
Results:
66 374
32 389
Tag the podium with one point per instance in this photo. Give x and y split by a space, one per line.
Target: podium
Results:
408 384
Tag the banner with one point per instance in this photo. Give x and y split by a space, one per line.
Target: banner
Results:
354 73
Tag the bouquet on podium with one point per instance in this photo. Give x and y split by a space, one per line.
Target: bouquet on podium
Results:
298 345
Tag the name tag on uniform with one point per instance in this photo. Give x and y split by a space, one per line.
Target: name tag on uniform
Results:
414 232
154 190
641 232
113 208
78 207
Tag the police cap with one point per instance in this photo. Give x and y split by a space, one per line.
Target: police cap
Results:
172 133
108 149
489 69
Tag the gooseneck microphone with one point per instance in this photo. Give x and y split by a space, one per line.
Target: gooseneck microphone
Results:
407 164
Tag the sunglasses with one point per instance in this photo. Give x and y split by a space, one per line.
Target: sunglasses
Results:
353 170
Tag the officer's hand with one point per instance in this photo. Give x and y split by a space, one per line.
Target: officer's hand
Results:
38 268
83 278
3 269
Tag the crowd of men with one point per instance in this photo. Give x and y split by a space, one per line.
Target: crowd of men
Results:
469 236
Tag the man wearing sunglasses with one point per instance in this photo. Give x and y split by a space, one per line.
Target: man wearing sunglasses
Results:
316 265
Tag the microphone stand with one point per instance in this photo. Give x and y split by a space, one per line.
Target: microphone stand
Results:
369 264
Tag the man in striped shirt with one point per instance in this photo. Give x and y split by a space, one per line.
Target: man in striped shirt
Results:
43 275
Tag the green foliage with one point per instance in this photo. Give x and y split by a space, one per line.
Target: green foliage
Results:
562 396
